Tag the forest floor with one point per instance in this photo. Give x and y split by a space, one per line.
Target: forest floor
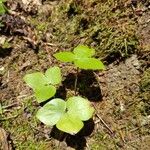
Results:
119 30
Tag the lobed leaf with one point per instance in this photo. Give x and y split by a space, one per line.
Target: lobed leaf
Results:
35 80
69 124
83 51
80 108
65 56
44 92
67 116
51 112
53 75
89 63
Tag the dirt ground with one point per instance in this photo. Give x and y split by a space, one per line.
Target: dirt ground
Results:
120 33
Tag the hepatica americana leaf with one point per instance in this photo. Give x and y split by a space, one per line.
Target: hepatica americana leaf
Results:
53 75
79 107
67 116
43 85
81 57
84 51
65 56
44 92
35 80
51 112
69 124
89 63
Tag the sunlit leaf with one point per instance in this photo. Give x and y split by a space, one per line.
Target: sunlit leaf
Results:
53 75
64 56
51 112
69 124
89 63
1 1
44 92
35 80
81 57
84 51
79 107
2 9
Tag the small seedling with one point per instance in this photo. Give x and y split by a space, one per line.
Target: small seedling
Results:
68 116
43 84
82 57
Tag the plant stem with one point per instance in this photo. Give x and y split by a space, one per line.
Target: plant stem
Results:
76 80
104 123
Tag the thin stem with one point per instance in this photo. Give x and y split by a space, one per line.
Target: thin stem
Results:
103 122
76 81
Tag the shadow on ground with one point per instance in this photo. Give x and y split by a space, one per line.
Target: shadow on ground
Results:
87 85
77 141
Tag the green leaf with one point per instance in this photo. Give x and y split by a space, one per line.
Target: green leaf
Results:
53 75
64 56
35 80
89 63
69 124
51 112
84 51
44 92
2 9
1 1
79 107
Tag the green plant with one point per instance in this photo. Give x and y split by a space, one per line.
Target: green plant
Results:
43 85
82 57
67 116
2 7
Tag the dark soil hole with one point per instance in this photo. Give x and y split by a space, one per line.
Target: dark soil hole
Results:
5 52
72 10
84 24
87 85
61 92
113 57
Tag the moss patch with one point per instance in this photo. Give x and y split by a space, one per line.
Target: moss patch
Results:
108 26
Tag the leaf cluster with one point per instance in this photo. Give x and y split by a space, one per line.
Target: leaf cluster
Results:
67 116
43 85
82 57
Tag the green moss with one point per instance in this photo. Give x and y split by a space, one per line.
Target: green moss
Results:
145 93
102 141
22 129
107 26
40 26
145 82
